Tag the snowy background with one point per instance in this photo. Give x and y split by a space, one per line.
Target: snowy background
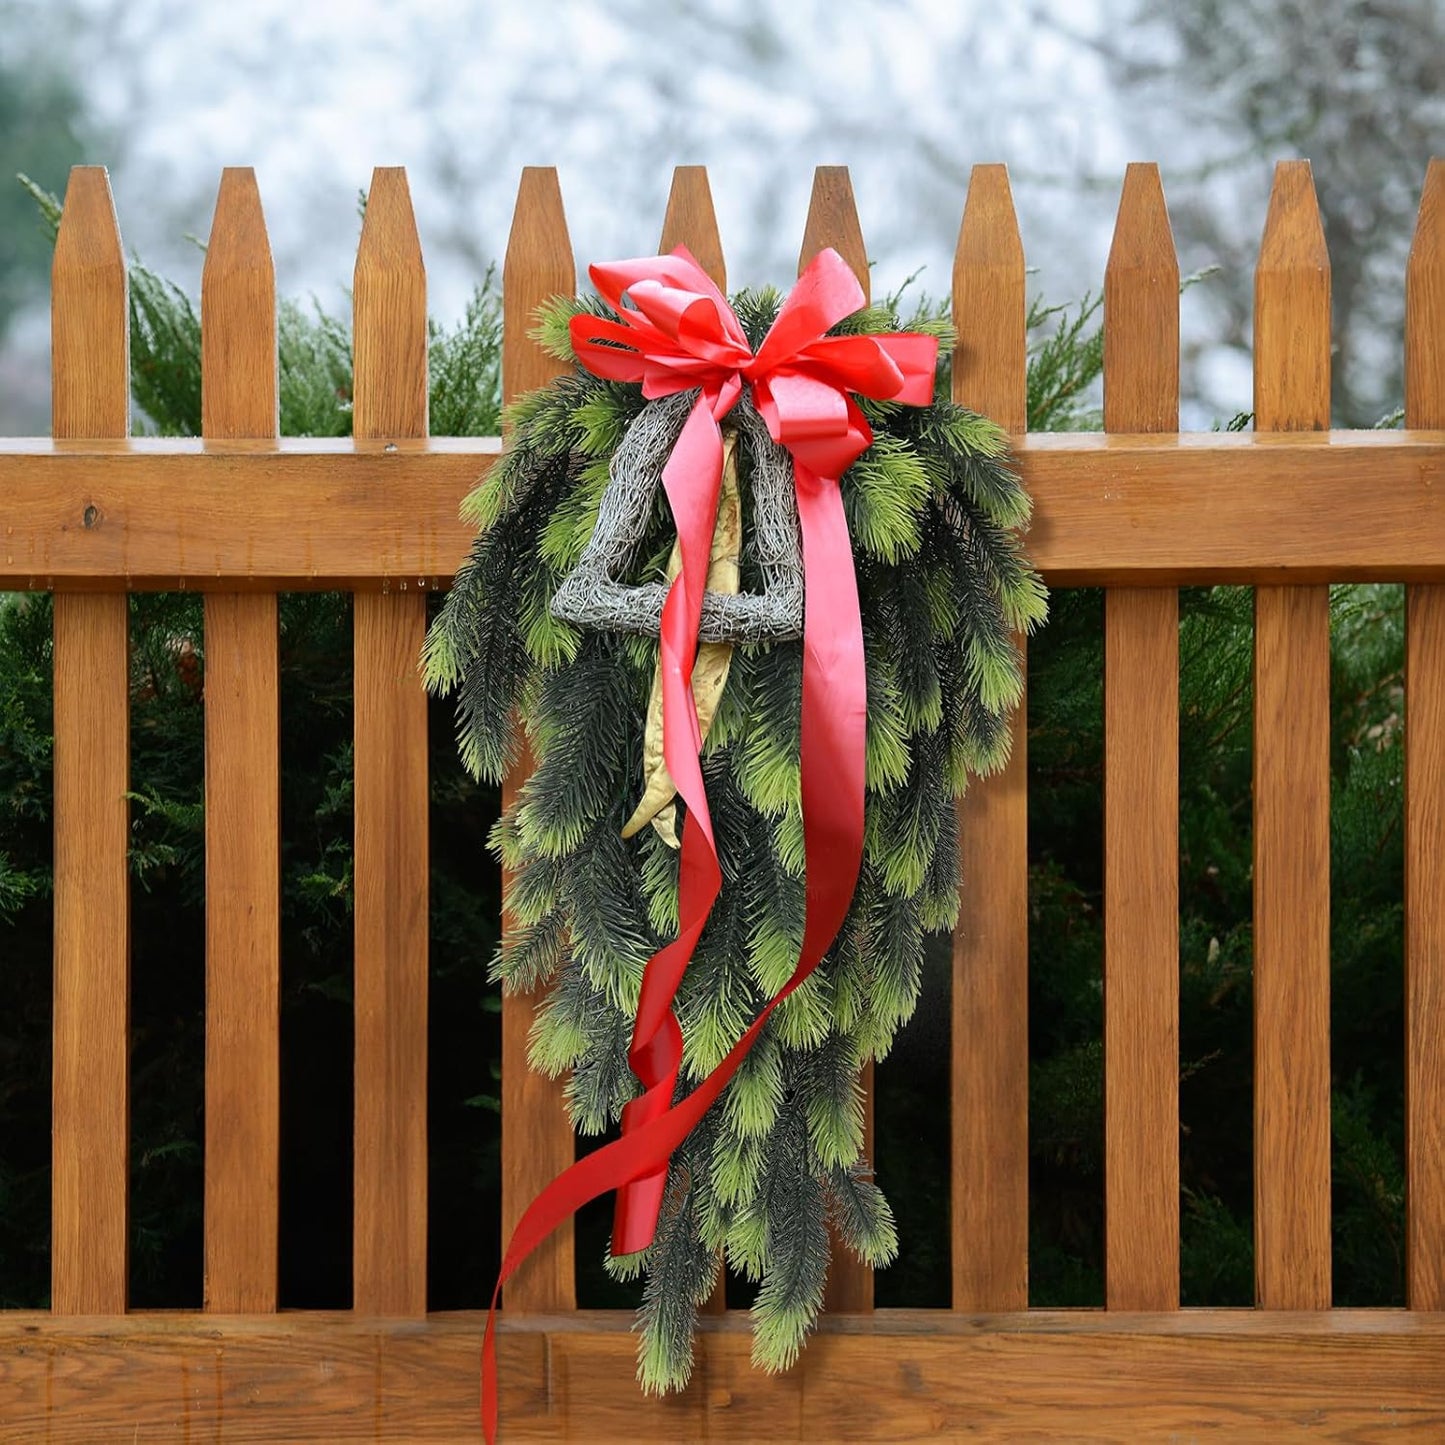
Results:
908 94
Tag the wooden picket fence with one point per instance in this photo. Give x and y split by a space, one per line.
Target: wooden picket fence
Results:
1139 510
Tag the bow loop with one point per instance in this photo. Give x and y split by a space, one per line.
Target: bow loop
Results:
826 292
679 332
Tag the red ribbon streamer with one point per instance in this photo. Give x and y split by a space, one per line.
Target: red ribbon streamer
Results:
679 334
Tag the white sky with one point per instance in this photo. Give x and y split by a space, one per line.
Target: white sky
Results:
314 93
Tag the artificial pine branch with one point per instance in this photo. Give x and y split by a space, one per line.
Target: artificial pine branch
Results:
943 588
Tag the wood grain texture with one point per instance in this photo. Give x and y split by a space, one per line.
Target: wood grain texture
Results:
1425 946
89 321
990 360
898 1376
90 1080
238 299
833 221
1109 510
1425 307
1141 311
691 221
990 1047
1425 792
1292 308
243 822
389 1199
389 334
536 1131
1141 793
1292 1251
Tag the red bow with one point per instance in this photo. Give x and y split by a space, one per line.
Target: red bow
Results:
680 334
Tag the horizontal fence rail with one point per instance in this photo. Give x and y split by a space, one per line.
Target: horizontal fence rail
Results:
897 1375
1109 510
1140 510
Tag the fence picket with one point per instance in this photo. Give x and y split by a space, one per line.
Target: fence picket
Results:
243 826
536 1130
1141 793
1425 791
90 397
833 221
691 221
389 1253
990 1103
1292 790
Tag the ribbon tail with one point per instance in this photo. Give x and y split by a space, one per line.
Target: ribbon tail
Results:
833 752
692 480
834 716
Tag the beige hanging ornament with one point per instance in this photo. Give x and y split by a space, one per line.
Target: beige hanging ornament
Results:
710 671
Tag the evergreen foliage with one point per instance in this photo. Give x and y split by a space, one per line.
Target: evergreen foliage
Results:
943 587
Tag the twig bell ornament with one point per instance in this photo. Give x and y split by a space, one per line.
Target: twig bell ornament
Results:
592 595
818 702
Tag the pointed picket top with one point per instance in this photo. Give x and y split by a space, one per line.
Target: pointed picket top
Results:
238 316
1294 235
1143 240
833 221
389 395
990 361
989 234
538 265
1141 311
1425 307
389 241
90 329
692 222
1292 308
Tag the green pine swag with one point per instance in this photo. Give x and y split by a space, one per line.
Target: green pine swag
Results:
943 584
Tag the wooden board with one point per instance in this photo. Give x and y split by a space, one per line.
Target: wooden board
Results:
1425 792
1108 510
243 813
903 1377
1292 1244
91 1022
1425 947
691 221
1141 793
389 1199
536 1132
989 1227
